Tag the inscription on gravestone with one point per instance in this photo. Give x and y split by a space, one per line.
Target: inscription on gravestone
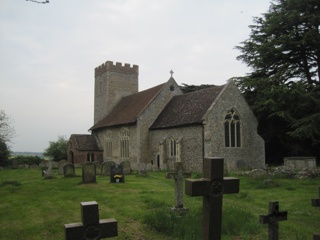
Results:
272 219
212 187
116 174
91 228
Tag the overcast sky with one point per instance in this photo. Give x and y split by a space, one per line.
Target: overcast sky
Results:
48 53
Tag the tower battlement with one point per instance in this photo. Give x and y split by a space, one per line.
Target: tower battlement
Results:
109 66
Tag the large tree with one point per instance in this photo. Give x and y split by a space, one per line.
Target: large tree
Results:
283 51
57 149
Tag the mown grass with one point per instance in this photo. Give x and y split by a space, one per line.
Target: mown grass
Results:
34 208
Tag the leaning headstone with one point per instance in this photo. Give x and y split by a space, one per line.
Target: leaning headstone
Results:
126 167
88 172
178 187
212 187
91 227
272 219
61 164
68 170
98 168
116 174
106 168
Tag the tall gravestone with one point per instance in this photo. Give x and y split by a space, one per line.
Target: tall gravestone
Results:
91 228
212 187
178 175
116 174
98 168
88 172
48 173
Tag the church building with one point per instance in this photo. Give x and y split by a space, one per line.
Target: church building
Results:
162 125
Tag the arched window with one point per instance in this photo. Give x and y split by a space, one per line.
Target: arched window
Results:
124 143
232 129
173 147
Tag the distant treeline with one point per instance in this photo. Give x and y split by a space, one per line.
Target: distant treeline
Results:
35 154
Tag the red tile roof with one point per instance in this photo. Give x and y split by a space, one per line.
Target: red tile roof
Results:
129 108
86 142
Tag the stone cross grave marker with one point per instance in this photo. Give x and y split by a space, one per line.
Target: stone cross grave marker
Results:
212 187
91 228
178 186
89 172
315 202
272 219
116 174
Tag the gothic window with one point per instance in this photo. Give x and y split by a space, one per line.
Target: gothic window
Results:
173 147
232 129
108 144
124 143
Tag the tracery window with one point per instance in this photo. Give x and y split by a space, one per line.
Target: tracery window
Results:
124 143
232 129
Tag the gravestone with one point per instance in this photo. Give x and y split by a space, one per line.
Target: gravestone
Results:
48 173
106 168
15 163
61 164
212 187
272 219
91 227
178 187
315 202
68 170
88 172
98 168
116 174
149 167
126 167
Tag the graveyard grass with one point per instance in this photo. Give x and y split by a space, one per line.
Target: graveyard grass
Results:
34 208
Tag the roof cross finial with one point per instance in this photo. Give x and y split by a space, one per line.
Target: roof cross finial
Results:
171 72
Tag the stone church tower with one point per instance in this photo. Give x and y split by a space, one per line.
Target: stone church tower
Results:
112 83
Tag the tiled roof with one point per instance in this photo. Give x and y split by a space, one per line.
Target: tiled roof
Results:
86 142
129 108
186 109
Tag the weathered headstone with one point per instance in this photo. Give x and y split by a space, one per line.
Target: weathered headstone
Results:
315 202
126 167
116 174
106 168
178 187
98 168
62 163
88 172
91 227
272 219
149 167
68 170
212 187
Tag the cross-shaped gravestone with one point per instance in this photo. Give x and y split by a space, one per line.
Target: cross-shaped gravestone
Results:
178 186
91 228
272 220
212 187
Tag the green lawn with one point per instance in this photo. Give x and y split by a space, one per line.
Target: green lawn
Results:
34 208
